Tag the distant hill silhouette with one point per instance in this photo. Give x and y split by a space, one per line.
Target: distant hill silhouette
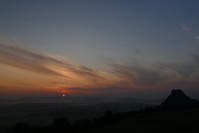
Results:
178 100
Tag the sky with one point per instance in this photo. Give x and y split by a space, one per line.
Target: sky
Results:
137 48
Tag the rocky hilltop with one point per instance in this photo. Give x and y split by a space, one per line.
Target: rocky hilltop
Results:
178 100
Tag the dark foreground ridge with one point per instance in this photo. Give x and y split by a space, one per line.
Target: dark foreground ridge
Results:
178 113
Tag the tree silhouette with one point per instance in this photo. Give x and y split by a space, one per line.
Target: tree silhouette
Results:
21 127
61 125
108 114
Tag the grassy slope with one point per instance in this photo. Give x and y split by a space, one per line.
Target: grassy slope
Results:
186 121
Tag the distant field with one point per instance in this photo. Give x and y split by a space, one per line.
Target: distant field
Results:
42 113
186 121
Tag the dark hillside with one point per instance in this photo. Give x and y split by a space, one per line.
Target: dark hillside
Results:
177 114
185 121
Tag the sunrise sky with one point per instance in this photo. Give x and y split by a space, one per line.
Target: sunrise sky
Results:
98 47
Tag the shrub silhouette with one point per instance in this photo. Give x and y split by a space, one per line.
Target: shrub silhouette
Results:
21 127
108 115
83 124
61 125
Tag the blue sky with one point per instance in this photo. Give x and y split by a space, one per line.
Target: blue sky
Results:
106 36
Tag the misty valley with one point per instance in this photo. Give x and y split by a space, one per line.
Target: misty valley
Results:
41 111
176 113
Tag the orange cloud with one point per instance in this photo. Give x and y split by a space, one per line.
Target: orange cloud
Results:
48 69
24 69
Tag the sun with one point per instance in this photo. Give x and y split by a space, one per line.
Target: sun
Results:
63 95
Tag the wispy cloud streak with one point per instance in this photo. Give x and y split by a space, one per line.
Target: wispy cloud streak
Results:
197 38
156 75
185 27
73 75
196 58
32 60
